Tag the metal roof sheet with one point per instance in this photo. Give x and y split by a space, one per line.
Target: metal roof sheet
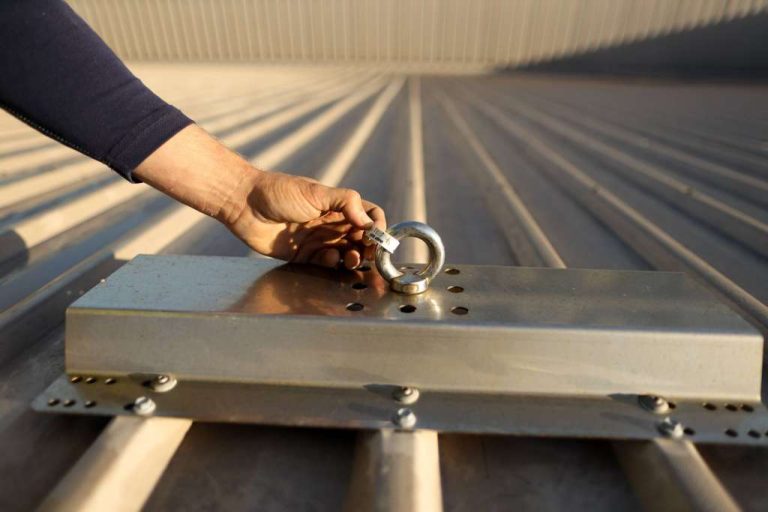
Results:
622 174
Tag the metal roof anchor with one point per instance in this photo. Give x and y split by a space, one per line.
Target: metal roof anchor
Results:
407 283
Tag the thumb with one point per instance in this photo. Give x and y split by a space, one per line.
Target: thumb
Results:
348 202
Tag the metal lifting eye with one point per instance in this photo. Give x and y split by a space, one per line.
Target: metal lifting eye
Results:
409 284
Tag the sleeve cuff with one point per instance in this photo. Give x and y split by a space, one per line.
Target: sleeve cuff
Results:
144 139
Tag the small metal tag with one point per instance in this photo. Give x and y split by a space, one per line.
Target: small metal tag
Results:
382 238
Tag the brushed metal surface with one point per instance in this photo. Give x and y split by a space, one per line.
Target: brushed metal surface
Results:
526 330
618 416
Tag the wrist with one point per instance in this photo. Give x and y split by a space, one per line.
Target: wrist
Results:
244 179
199 171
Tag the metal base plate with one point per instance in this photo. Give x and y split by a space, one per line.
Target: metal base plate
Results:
617 417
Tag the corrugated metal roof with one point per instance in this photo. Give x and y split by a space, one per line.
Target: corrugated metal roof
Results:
518 170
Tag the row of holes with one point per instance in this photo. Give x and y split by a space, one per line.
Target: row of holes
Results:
751 433
452 289
53 402
730 407
730 432
407 308
90 380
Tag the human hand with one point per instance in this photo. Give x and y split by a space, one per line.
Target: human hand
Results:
301 220
287 217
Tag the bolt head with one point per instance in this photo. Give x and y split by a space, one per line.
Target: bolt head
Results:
655 404
406 395
404 418
671 428
162 383
144 406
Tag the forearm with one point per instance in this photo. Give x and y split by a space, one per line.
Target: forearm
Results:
288 217
57 75
199 171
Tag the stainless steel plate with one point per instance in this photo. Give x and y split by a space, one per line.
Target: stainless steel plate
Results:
490 349
614 417
479 329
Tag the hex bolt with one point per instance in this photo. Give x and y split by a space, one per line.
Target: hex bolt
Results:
406 395
163 383
671 428
655 404
144 406
404 418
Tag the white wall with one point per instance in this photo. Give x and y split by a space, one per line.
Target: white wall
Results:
455 32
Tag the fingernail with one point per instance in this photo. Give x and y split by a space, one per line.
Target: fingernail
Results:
367 221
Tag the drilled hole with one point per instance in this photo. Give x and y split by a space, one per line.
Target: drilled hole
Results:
689 431
455 289
731 407
459 310
672 405
746 408
407 308
89 404
754 433
90 380
452 271
53 402
731 433
109 380
709 406
359 286
69 403
75 379
355 306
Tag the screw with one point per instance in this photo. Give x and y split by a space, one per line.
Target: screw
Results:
406 395
144 406
404 418
162 383
671 428
655 404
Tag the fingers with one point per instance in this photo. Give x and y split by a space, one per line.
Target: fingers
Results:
331 258
369 252
376 213
326 258
346 201
319 239
352 259
337 237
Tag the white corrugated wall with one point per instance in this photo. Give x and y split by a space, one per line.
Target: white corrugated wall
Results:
475 32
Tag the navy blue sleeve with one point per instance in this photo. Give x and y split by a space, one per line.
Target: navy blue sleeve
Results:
59 77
